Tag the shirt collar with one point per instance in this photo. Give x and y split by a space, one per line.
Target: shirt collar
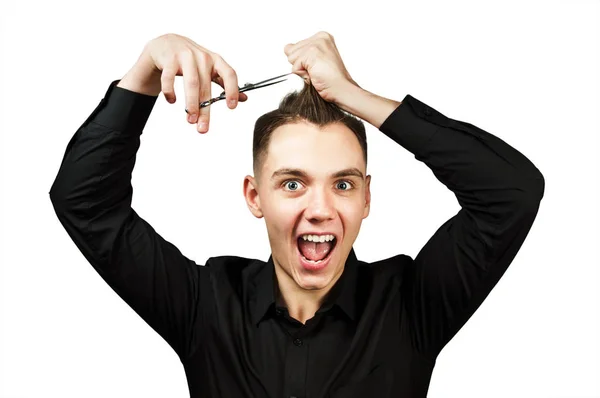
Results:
264 284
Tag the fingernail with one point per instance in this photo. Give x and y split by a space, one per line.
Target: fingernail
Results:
202 125
193 118
232 102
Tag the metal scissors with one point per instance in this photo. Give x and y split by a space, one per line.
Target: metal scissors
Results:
247 87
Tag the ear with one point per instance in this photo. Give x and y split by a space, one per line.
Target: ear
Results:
251 196
367 197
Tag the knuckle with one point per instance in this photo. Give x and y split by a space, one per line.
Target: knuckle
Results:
325 36
203 57
231 75
297 67
193 82
171 63
167 36
166 77
205 93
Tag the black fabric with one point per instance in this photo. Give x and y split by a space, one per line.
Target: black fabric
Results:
383 324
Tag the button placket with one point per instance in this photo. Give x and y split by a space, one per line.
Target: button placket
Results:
296 367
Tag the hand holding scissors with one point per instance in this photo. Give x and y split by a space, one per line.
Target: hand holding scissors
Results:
172 55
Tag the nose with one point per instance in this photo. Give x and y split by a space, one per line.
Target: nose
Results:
320 205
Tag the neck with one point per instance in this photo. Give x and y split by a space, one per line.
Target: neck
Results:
302 304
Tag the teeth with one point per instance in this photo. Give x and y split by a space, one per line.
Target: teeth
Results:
318 238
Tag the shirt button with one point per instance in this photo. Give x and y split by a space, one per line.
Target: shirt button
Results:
298 342
427 111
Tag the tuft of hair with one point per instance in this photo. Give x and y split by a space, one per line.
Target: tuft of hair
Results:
304 105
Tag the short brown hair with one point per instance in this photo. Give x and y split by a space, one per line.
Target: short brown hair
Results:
304 105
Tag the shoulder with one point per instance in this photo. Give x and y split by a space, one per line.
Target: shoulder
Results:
388 268
232 269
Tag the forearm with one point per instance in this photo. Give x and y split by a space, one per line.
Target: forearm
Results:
487 175
96 168
370 107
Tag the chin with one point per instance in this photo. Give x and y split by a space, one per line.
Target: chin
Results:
314 282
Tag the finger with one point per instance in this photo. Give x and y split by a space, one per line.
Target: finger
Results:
294 55
288 48
205 66
291 47
230 80
191 85
298 69
167 81
219 80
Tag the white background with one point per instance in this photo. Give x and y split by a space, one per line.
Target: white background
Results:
526 71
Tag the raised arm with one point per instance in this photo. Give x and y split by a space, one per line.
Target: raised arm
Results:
499 191
92 192
497 187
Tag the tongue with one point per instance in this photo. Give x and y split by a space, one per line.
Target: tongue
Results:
314 251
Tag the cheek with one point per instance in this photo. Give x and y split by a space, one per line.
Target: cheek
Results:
352 207
281 215
351 214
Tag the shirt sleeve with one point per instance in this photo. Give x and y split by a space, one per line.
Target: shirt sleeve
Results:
499 191
92 196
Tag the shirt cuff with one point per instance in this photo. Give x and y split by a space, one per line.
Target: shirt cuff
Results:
413 123
123 110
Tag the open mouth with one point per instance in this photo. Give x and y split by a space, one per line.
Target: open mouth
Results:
316 252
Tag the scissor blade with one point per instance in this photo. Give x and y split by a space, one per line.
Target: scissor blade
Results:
273 78
259 85
250 86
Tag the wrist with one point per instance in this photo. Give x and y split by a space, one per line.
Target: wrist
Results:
348 98
367 106
143 77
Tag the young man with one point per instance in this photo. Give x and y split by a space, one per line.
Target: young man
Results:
312 321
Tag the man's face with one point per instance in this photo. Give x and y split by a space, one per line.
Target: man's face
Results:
311 183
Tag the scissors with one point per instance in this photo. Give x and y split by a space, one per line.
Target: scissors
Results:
246 87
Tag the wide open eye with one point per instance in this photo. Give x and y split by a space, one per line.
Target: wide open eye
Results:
344 185
291 185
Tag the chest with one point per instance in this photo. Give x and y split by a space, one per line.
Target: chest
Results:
330 356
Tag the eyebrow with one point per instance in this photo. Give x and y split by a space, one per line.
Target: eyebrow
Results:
352 171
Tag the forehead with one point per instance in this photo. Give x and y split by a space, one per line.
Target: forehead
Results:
317 150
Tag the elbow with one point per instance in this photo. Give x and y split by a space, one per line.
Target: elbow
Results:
538 186
57 202
58 196
59 192
533 192
55 197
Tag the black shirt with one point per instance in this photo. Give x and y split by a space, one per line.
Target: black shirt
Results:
380 330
